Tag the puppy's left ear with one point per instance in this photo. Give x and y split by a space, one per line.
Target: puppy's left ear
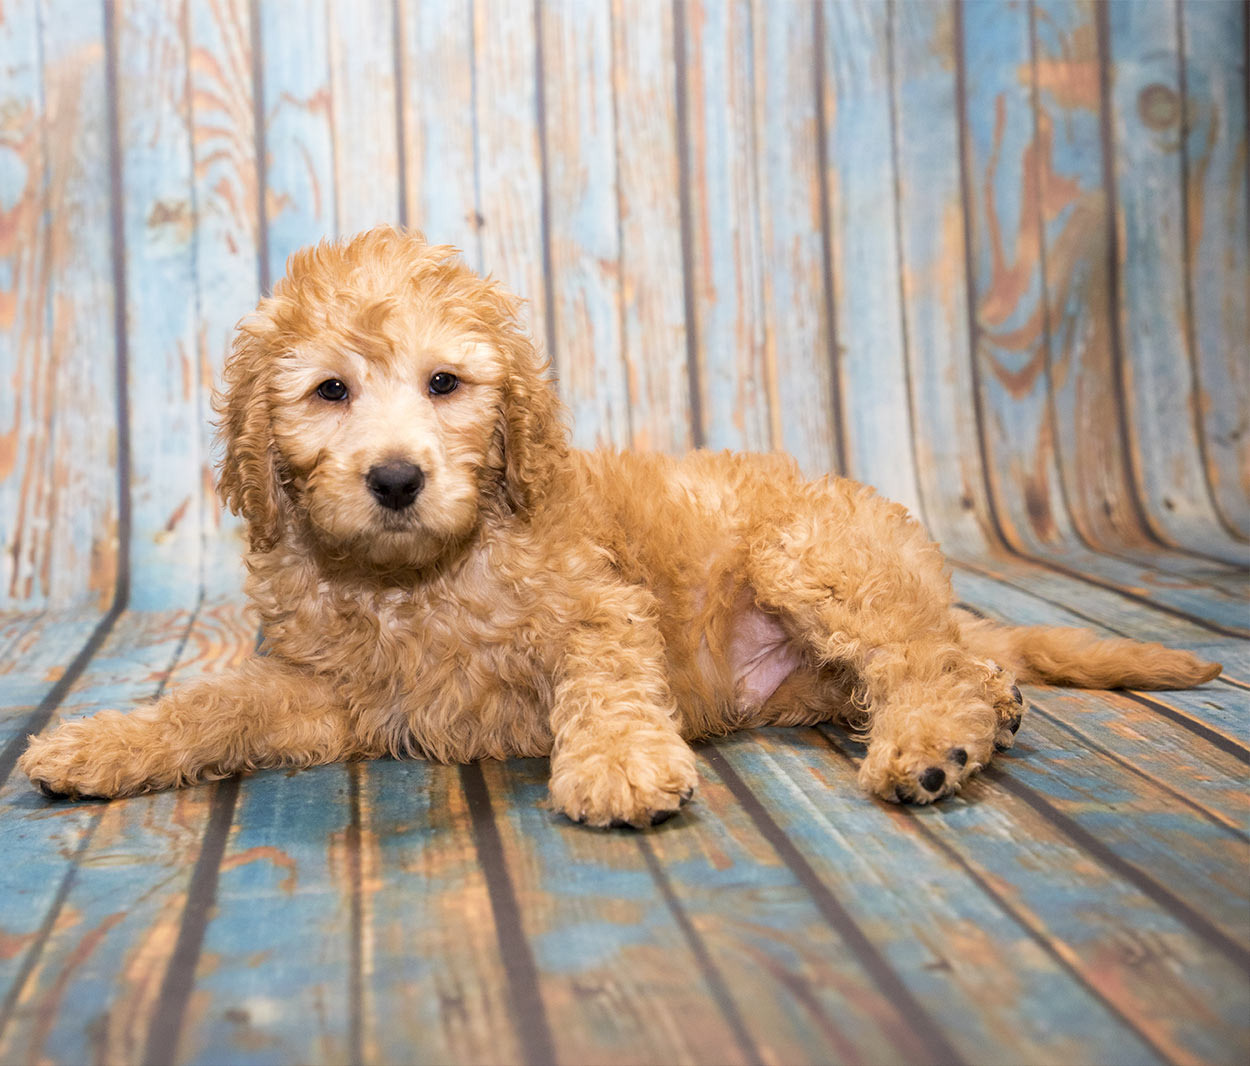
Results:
535 438
247 474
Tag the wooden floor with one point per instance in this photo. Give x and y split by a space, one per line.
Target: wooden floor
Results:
991 257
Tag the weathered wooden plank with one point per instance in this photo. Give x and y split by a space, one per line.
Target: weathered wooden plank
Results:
788 142
298 168
727 257
58 427
1153 230
1134 589
946 939
36 660
1010 328
273 981
583 224
1213 37
434 986
361 43
620 981
653 316
511 201
105 922
1193 771
1135 959
158 213
227 239
860 170
439 122
933 281
1076 236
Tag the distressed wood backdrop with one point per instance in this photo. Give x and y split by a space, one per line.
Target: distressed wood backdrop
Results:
992 257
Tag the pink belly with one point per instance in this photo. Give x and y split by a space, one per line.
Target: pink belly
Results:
760 656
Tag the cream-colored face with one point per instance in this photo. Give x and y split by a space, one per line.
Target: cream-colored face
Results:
388 448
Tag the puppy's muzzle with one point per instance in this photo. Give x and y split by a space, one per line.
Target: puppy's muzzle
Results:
395 483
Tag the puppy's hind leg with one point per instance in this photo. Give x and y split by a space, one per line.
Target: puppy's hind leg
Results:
266 714
858 582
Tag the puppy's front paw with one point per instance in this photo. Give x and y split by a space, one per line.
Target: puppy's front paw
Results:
83 759
639 779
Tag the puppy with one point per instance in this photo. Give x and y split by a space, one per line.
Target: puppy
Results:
439 574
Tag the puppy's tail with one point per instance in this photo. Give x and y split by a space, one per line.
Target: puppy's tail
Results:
1057 655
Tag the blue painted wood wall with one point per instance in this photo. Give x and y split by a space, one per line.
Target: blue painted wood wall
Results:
993 257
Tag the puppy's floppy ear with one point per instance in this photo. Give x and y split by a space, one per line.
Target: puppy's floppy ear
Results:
248 479
535 440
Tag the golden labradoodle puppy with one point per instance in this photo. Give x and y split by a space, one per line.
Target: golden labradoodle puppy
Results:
439 574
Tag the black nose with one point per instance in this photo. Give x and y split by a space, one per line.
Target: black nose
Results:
395 484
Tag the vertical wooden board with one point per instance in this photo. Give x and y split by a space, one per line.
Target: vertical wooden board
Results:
274 978
298 140
946 942
653 314
1002 164
1076 234
726 254
1160 990
363 101
934 286
24 339
1152 229
440 153
584 334
164 378
860 172
435 986
227 238
509 153
58 440
620 980
790 171
1216 175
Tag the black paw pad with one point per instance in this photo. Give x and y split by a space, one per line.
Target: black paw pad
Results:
660 817
933 779
1016 694
620 823
903 795
958 756
1014 723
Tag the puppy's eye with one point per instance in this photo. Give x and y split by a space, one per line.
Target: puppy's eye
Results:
332 390
442 383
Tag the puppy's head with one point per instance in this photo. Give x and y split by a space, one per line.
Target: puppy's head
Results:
383 398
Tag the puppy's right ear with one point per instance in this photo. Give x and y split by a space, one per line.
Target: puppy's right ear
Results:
247 474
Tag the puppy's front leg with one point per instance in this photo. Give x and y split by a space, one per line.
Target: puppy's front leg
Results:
618 758
266 714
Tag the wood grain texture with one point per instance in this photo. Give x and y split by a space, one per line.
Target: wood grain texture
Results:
583 221
933 280
1153 228
439 123
863 210
58 424
361 44
737 385
300 205
1217 172
786 109
654 331
509 146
